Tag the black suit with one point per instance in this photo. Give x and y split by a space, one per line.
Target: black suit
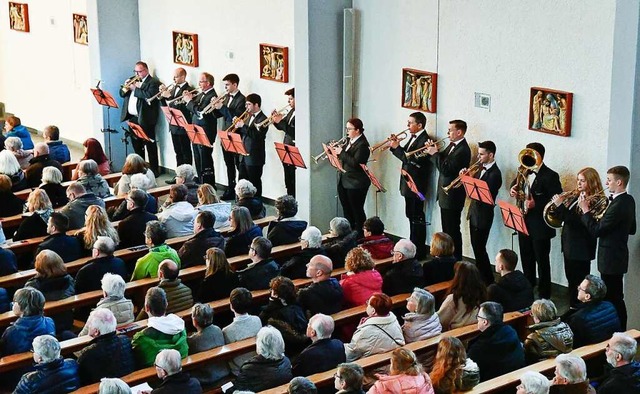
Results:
419 169
147 117
449 163
480 220
354 182
131 229
181 143
235 106
288 125
253 137
613 230
203 155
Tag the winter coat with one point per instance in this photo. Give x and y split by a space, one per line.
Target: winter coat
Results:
497 350
95 184
513 291
209 338
322 297
36 165
106 356
592 322
285 231
254 205
290 320
178 219
55 289
405 384
217 286
76 209
257 276
147 265
179 297
165 332
320 356
89 277
132 227
380 246
193 250
403 277
121 308
221 211
547 340
374 335
260 374
337 248
417 327
8 261
242 327
18 336
180 382
4 301
57 194
439 269
238 243
11 205
21 132
453 317
33 225
59 151
624 379
296 267
57 376
359 287
67 247
122 212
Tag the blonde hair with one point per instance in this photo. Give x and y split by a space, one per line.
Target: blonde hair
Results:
97 224
441 245
49 264
38 201
207 195
216 261
404 361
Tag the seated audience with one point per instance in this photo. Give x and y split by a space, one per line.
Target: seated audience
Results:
34 224
207 336
406 272
380 332
53 374
96 224
361 279
162 332
155 236
348 379
244 231
173 380
324 294
51 183
113 386
342 240
311 245
179 214
92 181
89 277
133 164
142 183
406 376
497 350
374 241
5 304
11 205
14 145
41 159
10 167
57 149
324 353
570 376
131 228
186 175
245 196
108 354
595 320
14 128
262 268
179 296
549 336
532 382
67 247
441 266
93 150
288 227
624 377
208 201
243 326
113 287
301 385
466 293
512 290
205 237
219 278
269 368
452 371
421 322
79 202
8 261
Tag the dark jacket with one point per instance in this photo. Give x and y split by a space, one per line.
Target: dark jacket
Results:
131 229
418 168
4 301
290 320
106 356
253 138
37 164
321 297
577 242
217 286
147 112
403 277
320 356
57 376
337 248
55 289
572 388
89 277
122 212
193 251
624 379
439 269
19 181
513 291
181 383
258 276
547 340
254 205
497 350
449 162
354 176
76 209
238 244
57 194
288 125
544 187
59 151
296 267
68 247
8 262
284 232
11 205
592 322
260 373
480 214
32 226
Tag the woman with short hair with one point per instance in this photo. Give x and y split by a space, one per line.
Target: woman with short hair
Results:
219 278
92 181
421 322
361 279
35 225
549 336
288 227
96 223
341 241
407 376
133 164
14 145
441 267
245 194
208 201
93 150
466 293
52 184
244 231
206 337
10 167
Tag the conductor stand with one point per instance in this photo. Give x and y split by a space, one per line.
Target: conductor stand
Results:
105 99
513 219
375 182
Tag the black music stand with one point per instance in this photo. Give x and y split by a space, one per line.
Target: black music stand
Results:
477 189
106 100
375 182
412 185
333 159
232 142
174 116
139 132
196 135
512 217
290 155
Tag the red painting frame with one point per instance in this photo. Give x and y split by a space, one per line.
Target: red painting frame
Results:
274 62
80 30
185 55
550 111
19 17
412 97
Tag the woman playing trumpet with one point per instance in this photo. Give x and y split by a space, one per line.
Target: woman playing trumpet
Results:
578 245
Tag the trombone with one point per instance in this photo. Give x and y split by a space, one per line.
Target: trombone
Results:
157 95
471 171
180 98
126 86
244 117
270 120
386 144
422 151
331 144
212 105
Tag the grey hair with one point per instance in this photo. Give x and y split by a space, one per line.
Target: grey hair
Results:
244 188
596 287
269 343
340 226
31 301
425 302
625 345
323 325
406 247
301 385
535 383
13 143
113 386
51 174
186 172
8 163
47 347
571 368
41 148
105 244
88 167
493 312
544 310
140 181
313 236
169 360
103 320
113 285
202 314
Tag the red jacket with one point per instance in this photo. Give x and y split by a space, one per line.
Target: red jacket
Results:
359 287
379 246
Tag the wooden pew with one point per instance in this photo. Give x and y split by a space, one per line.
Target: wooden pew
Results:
67 170
111 179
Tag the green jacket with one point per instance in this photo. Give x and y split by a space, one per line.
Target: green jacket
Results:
148 342
147 265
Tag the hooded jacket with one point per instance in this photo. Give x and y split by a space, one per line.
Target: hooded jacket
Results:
513 291
374 335
497 350
147 265
359 287
547 340
57 376
59 151
322 297
178 219
417 327
405 384
164 332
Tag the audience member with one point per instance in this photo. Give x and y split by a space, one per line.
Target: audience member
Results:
288 227
14 145
179 295
93 150
262 268
466 293
245 195
324 353
142 183
41 159
549 336
51 183
205 237
301 385
324 294
5 304
133 164
89 277
186 175
67 247
10 167
79 202
57 149
441 267
179 214
207 336
131 228
11 205
342 240
113 386
96 224
219 278
14 128
208 201
348 379
532 382
113 287
361 279
624 377
421 322
243 326
34 224
512 290
406 376
244 231
155 236
92 181
570 376
497 350
374 241
169 370
311 245
452 371
406 272
8 261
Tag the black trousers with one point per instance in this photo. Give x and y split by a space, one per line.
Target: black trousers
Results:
615 295
253 174
230 161
290 179
451 226
139 145
414 210
352 201
182 148
534 251
479 238
575 271
204 164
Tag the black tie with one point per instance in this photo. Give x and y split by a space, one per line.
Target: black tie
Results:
611 197
449 149
413 137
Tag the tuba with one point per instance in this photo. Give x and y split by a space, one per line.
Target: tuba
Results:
530 160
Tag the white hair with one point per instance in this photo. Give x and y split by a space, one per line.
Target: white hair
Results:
340 226
186 172
269 343
323 325
313 236
113 386
406 247
8 163
51 174
169 360
113 285
140 181
625 345
535 383
244 188
571 368
103 320
41 148
104 244
47 347
13 144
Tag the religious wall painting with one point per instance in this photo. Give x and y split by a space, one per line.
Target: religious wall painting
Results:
550 111
19 17
185 48
419 90
274 63
80 29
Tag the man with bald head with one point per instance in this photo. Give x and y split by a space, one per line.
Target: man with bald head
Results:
324 353
406 272
41 159
324 295
179 296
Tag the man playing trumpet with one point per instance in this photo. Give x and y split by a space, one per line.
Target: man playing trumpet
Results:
181 143
253 137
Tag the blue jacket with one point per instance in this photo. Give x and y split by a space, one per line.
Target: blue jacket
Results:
59 151
57 376
593 322
4 300
320 356
22 133
18 336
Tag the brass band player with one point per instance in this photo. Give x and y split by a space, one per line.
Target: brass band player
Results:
287 123
253 137
181 143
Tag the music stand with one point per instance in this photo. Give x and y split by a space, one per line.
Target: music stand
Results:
232 142
477 189
333 159
290 155
196 135
174 116
412 185
375 182
139 132
512 217
106 100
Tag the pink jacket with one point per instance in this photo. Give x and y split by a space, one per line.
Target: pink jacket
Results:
357 288
405 384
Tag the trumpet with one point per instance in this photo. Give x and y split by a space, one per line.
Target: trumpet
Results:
244 117
180 98
471 171
386 144
157 95
126 86
270 120
212 105
422 151
331 144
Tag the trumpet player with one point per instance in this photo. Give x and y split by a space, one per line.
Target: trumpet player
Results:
181 143
136 109
253 137
287 123
419 169
449 162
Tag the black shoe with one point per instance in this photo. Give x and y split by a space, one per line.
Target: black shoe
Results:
171 181
228 195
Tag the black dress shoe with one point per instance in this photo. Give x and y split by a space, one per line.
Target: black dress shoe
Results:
171 181
228 195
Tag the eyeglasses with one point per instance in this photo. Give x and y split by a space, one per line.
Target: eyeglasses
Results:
349 128
335 375
581 289
481 317
138 71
